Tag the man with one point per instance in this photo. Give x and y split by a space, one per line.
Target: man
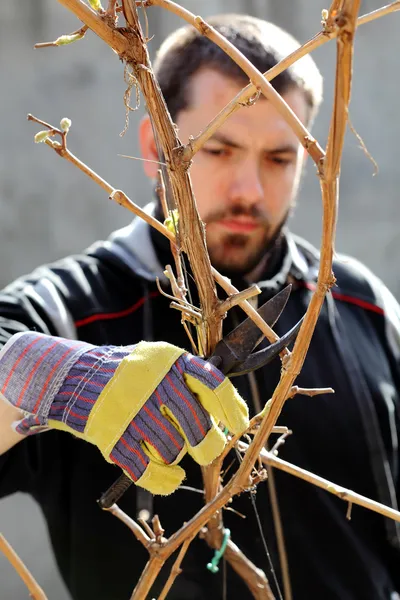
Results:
245 180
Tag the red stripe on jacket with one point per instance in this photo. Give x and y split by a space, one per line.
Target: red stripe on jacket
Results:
115 315
350 299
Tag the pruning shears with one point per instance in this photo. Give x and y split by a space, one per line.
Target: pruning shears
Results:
233 355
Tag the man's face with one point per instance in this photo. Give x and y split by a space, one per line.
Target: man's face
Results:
246 176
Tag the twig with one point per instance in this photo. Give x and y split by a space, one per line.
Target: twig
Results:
111 11
236 299
279 534
248 308
75 35
333 488
35 591
309 391
176 569
147 528
193 316
380 12
158 530
363 147
148 577
138 532
117 195
195 349
280 441
41 122
160 189
348 512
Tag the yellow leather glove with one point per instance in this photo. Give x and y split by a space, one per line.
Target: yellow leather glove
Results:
144 406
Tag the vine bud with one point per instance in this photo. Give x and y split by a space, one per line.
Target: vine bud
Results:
95 4
65 124
63 40
41 136
171 222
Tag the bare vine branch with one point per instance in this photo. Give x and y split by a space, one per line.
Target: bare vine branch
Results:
344 494
34 588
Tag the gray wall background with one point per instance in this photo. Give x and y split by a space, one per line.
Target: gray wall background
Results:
48 209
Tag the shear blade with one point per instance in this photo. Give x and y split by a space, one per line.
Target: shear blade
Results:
241 341
263 357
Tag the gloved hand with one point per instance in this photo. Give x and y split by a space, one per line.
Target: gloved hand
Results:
143 406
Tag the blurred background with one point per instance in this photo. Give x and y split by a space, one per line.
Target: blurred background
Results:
49 209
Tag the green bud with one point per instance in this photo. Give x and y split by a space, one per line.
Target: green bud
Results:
331 488
171 222
63 40
65 124
41 136
95 4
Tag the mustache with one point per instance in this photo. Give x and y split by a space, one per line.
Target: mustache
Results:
238 210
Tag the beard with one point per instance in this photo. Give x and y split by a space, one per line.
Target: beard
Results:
237 254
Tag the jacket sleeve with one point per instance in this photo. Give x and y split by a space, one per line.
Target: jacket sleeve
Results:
19 313
54 300
45 301
356 281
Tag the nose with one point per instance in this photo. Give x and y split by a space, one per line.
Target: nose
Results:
246 185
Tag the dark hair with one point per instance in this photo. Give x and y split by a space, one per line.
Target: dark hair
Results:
186 51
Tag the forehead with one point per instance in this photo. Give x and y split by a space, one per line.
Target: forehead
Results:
209 91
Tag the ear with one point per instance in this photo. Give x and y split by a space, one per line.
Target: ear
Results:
148 147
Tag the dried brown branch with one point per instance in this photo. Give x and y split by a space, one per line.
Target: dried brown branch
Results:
147 528
280 441
236 299
256 77
35 591
380 12
339 491
137 531
247 307
309 391
117 195
75 35
191 229
329 185
279 533
243 97
111 11
176 569
158 530
161 192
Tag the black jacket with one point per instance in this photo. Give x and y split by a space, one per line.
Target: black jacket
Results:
108 295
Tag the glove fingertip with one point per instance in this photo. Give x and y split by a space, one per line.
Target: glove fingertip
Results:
29 425
236 411
210 447
161 480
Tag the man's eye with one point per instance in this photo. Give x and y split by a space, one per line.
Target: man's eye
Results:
280 161
215 151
